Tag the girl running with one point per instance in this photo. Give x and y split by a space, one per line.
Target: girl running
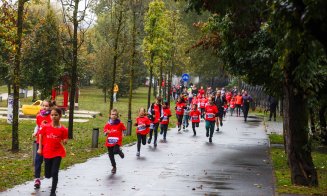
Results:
195 117
211 113
55 136
239 100
155 113
186 117
42 118
142 129
179 108
114 129
203 103
164 121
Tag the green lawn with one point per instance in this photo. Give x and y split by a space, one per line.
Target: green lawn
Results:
3 89
16 168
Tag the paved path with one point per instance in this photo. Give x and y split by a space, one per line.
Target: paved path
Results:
236 163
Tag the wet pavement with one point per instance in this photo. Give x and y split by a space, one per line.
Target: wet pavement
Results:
236 163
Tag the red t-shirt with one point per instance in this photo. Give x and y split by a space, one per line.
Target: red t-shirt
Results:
115 135
195 116
53 137
143 124
201 91
203 102
166 115
239 99
156 116
211 111
41 121
180 108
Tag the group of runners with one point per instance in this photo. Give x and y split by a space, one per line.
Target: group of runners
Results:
190 108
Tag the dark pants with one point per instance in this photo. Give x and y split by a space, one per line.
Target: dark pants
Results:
155 130
52 170
140 138
194 124
273 111
238 109
111 152
210 127
164 129
202 112
179 119
37 163
245 111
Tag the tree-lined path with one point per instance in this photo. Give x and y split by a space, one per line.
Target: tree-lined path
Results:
236 163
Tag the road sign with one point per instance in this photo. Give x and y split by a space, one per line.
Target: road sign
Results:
185 77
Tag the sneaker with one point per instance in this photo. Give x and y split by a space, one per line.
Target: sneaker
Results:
113 170
121 154
149 140
207 134
210 139
37 183
183 127
221 123
138 154
217 129
179 128
186 125
155 144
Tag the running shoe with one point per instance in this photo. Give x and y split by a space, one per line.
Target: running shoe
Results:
138 154
149 140
113 170
121 154
210 139
217 129
207 134
37 183
155 144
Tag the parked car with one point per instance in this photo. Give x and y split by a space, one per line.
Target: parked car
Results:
32 110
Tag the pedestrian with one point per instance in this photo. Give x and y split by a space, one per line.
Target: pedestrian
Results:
114 130
55 136
142 129
232 105
164 120
116 89
179 108
42 118
238 104
201 91
195 117
247 99
186 117
273 102
155 112
211 112
220 101
203 103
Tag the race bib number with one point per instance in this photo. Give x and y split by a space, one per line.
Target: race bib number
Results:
165 118
202 104
195 118
141 127
179 109
151 125
210 115
112 140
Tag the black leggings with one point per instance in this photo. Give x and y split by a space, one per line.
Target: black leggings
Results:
194 124
140 138
52 170
202 112
155 130
179 119
163 129
111 152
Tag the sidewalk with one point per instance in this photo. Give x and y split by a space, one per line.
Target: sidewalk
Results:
236 163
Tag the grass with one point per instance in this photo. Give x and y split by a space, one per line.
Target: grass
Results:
3 89
16 168
283 175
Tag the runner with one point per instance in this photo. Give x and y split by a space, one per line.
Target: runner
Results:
179 108
155 113
220 101
195 117
164 120
114 131
239 100
142 129
42 118
211 112
54 135
186 117
203 103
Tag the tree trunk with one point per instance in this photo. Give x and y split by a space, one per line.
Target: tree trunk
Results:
9 89
323 126
169 86
105 94
160 80
312 122
150 80
16 77
73 74
34 94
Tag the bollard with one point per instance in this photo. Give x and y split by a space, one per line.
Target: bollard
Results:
95 137
129 127
34 151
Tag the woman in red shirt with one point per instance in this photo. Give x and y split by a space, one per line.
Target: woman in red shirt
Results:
55 136
179 108
239 100
164 120
114 129
211 112
142 129
195 117
203 102
155 113
42 118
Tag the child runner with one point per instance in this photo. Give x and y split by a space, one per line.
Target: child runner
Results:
180 107
42 118
143 124
114 130
211 113
232 105
239 100
155 113
55 136
186 117
164 121
203 103
195 117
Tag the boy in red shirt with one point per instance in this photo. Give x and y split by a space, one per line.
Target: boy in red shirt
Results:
114 130
164 120
203 102
179 108
211 113
195 117
155 113
42 118
142 129
54 135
